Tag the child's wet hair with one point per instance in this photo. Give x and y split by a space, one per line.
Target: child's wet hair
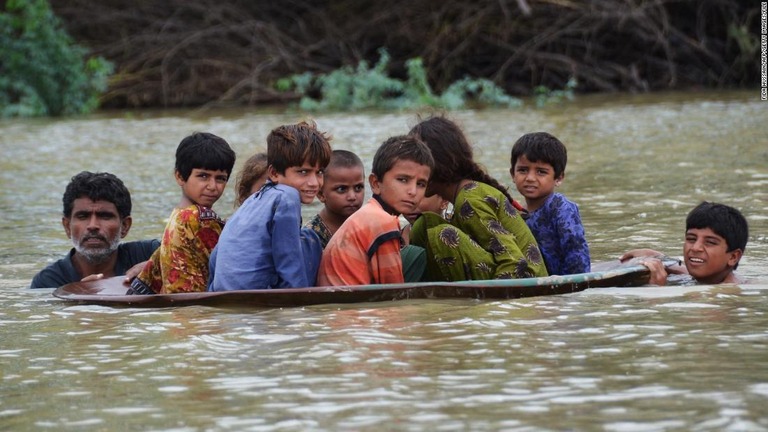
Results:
203 150
253 169
541 147
723 220
292 145
452 152
345 159
397 148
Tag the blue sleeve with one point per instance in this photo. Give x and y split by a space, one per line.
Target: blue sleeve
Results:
212 266
573 242
312 248
287 251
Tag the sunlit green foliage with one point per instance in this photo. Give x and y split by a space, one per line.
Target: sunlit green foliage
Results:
351 88
42 71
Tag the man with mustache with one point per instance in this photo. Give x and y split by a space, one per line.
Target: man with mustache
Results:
97 215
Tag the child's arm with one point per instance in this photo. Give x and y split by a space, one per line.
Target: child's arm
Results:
386 262
507 238
638 253
651 253
658 272
572 240
185 267
287 251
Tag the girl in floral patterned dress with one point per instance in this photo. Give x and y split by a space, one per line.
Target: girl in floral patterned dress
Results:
203 164
487 237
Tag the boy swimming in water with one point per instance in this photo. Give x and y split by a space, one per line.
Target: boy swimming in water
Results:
715 238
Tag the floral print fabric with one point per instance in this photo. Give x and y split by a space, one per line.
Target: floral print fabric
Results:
560 234
317 225
181 262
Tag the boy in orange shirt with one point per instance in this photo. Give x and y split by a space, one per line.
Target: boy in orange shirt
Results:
366 249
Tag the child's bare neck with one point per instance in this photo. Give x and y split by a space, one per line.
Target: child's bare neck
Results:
733 278
186 202
331 221
534 204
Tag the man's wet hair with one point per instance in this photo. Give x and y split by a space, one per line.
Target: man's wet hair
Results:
100 186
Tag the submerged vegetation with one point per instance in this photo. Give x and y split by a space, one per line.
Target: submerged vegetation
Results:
349 88
42 71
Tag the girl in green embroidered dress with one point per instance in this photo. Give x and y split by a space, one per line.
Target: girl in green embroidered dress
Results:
487 237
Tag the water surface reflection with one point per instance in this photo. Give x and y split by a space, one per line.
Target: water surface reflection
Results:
609 359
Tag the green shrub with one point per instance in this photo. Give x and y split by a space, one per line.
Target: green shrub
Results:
42 71
543 95
351 88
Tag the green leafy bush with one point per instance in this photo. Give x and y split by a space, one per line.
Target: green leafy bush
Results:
351 88
42 71
544 95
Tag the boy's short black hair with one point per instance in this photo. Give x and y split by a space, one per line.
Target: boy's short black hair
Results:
541 147
292 145
723 220
203 150
344 159
401 147
101 186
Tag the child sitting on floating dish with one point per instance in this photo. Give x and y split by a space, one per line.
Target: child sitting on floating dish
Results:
367 247
263 244
342 194
537 166
487 237
251 177
434 204
715 239
203 164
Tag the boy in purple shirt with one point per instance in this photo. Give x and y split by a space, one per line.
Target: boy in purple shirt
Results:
537 167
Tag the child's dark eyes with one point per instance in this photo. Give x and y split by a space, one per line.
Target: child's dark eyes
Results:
359 188
707 241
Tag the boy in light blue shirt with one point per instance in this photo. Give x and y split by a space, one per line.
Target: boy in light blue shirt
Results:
262 244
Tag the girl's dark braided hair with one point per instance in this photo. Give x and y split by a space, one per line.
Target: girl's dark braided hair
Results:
452 153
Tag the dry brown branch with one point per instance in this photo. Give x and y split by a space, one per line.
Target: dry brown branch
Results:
212 52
